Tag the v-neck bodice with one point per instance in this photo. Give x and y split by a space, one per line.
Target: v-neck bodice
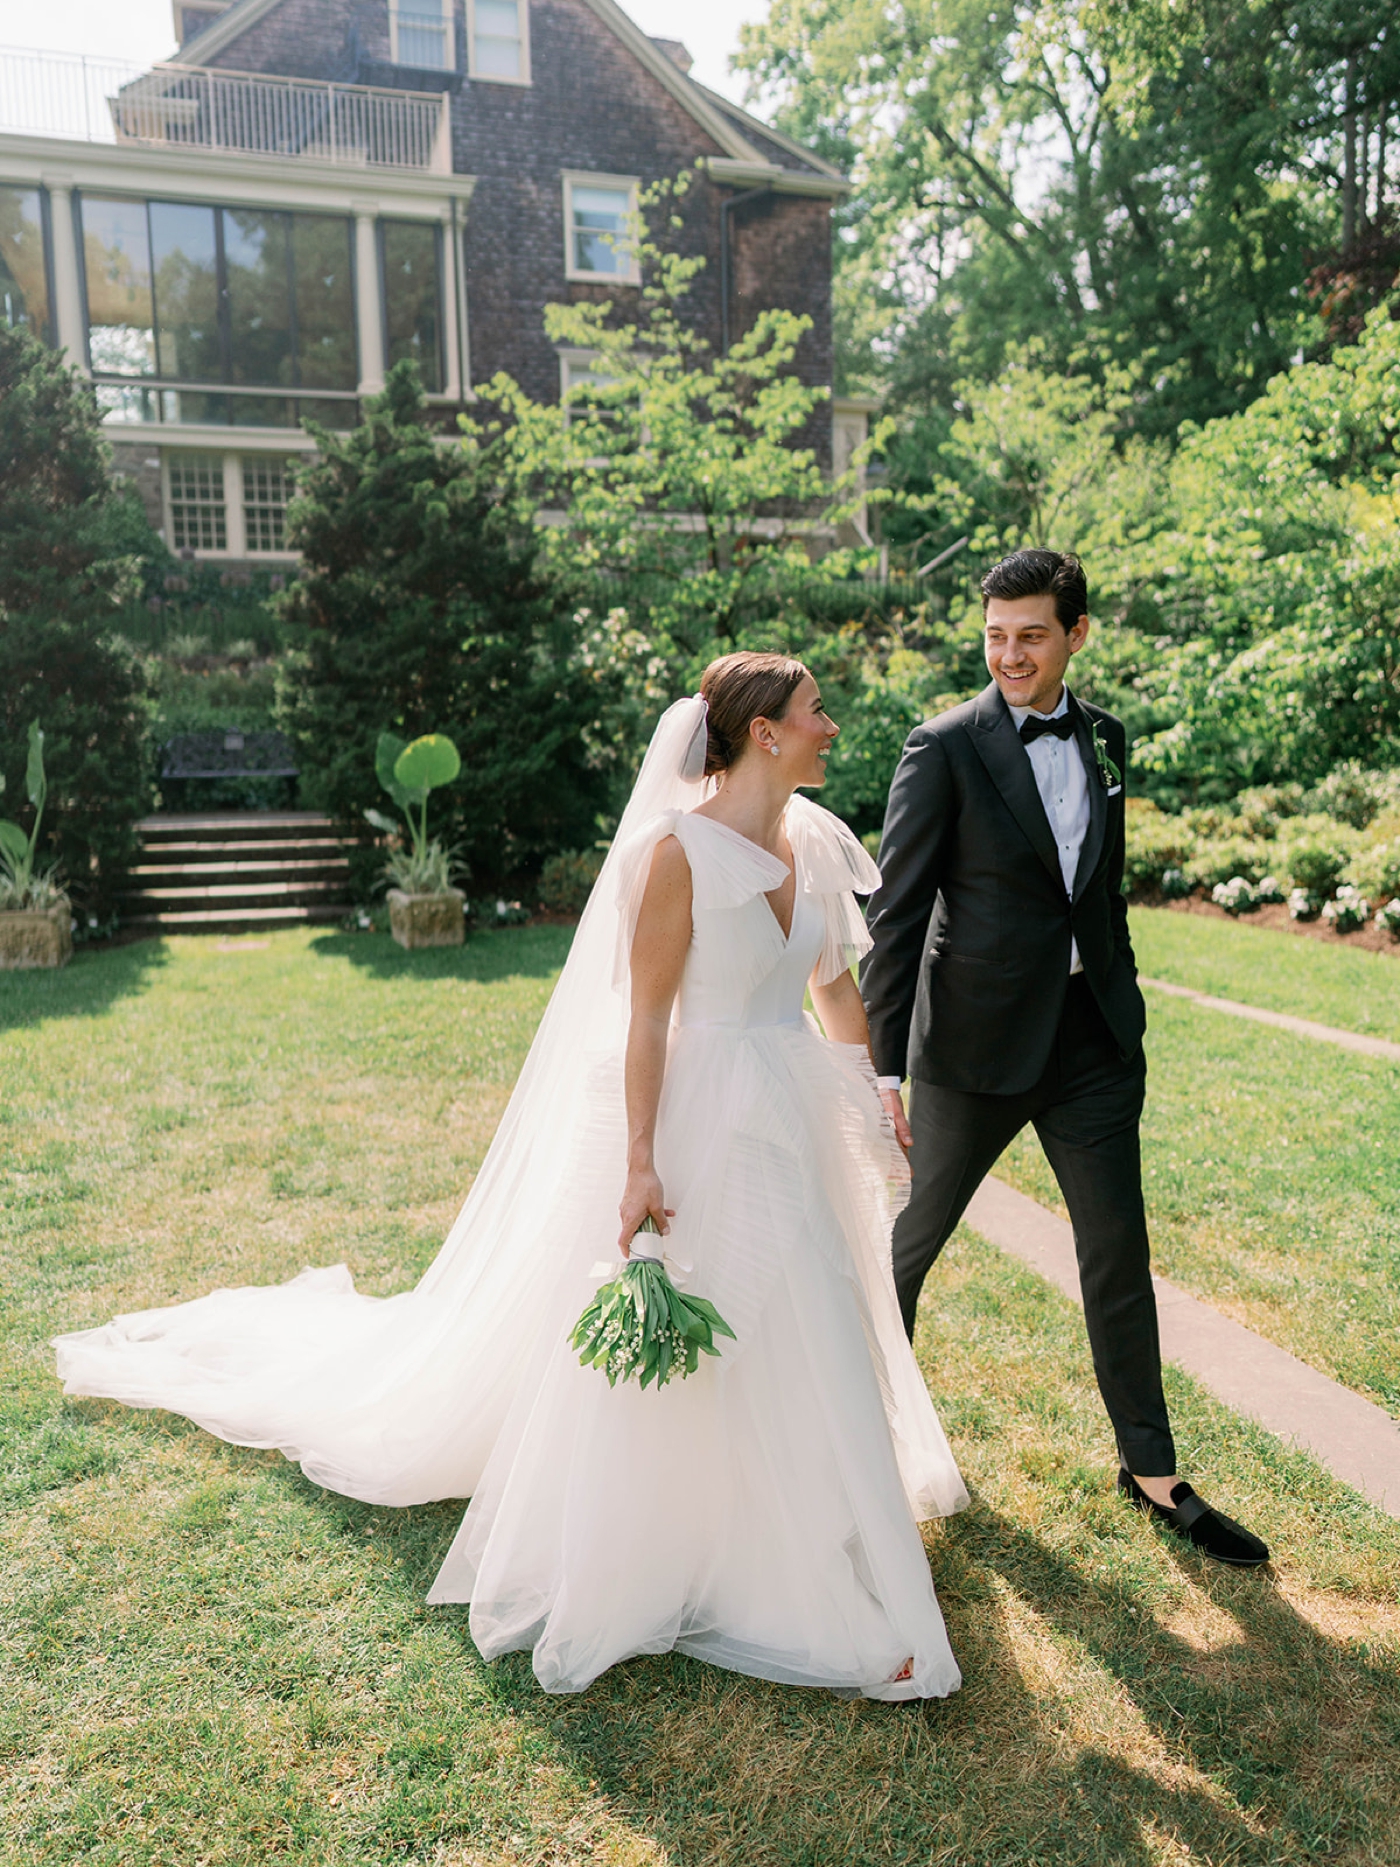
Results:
742 971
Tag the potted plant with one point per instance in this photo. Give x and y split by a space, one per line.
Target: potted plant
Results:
424 908
36 921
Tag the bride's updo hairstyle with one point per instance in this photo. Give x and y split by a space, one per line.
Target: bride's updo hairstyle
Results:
739 689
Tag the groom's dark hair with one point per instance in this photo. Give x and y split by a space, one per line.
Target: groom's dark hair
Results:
1041 573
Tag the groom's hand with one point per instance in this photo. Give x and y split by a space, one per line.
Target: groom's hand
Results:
893 1100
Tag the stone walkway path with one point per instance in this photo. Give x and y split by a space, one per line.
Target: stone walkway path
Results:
1355 1439
1283 1021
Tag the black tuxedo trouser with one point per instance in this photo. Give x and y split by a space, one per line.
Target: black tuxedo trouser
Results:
1085 1110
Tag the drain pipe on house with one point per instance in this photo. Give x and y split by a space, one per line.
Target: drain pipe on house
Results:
726 267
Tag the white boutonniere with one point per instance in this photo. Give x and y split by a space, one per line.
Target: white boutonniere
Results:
1110 777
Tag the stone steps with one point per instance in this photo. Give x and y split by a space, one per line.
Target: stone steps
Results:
226 870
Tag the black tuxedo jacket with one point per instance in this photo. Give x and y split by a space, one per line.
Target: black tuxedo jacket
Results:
972 924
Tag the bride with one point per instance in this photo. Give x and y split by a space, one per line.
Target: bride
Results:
762 1514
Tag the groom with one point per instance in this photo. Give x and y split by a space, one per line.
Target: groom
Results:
1002 982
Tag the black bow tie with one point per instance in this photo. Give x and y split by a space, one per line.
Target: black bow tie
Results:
1034 724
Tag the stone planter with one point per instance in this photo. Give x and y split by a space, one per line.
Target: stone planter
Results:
36 937
428 920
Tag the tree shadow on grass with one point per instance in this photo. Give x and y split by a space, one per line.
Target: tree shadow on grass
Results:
1225 1728
486 958
94 979
1120 1742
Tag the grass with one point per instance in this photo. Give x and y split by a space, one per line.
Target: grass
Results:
1271 1163
1349 987
211 1661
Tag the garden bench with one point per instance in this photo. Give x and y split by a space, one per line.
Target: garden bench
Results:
228 753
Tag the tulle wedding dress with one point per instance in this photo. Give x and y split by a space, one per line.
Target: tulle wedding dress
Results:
761 1514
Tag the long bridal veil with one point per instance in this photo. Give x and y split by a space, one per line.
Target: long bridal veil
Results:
399 1400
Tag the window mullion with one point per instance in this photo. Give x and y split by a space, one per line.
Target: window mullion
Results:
221 288
235 529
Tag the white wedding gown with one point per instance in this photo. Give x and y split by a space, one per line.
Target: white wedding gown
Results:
760 1514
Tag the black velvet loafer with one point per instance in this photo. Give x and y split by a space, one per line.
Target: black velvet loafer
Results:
1208 1530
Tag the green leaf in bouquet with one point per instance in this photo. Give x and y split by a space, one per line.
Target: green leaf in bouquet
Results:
712 1316
696 1328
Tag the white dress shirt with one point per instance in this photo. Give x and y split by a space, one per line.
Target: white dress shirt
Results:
1063 784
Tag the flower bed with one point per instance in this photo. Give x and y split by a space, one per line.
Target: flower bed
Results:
1327 859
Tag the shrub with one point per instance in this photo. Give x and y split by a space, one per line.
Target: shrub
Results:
1157 844
1315 854
1376 870
1227 858
1237 896
1388 919
1263 810
1352 794
72 549
567 880
420 608
1347 911
1302 906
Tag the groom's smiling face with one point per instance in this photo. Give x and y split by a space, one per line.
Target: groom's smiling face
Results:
1028 649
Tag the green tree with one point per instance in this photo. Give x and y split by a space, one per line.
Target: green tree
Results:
1145 186
422 606
1272 596
685 478
71 552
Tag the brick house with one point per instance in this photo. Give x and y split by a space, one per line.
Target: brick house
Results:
312 189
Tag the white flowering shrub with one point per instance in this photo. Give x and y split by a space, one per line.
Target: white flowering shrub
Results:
1237 896
1348 909
1387 919
1302 906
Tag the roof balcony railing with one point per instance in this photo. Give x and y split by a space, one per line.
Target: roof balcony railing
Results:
198 107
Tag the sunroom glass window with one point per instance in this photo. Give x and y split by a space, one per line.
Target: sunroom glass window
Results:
117 267
325 302
24 280
412 297
185 252
256 263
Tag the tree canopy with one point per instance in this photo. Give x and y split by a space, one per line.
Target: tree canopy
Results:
72 547
1147 187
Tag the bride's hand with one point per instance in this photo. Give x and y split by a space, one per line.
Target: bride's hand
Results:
642 1195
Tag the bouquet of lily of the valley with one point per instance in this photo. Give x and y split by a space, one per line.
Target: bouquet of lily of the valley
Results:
641 1328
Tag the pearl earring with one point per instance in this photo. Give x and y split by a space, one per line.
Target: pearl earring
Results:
774 750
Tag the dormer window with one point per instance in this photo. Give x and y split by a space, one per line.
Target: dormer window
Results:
498 38
420 34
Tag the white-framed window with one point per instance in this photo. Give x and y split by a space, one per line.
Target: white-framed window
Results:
420 34
498 40
267 486
600 213
198 508
227 504
578 373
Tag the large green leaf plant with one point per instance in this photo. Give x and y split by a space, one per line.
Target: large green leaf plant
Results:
409 770
25 881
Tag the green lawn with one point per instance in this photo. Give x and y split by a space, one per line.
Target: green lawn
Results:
1334 984
1271 1162
208 1660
